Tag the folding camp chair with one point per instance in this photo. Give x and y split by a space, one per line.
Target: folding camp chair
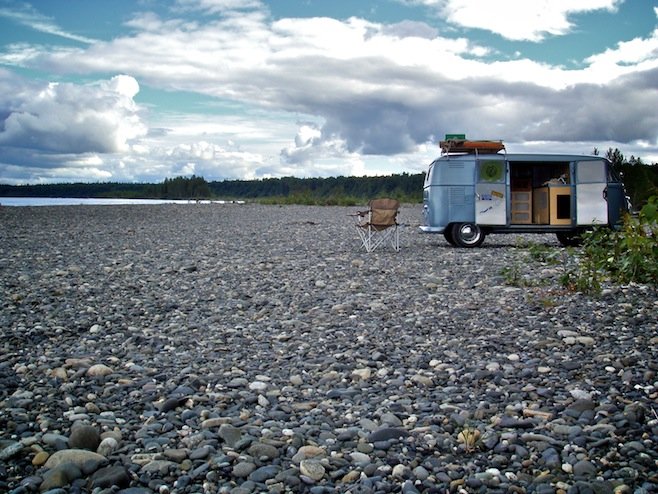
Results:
378 225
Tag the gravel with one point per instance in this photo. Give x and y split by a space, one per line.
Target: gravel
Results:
245 348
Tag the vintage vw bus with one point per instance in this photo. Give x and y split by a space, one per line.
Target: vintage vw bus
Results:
474 188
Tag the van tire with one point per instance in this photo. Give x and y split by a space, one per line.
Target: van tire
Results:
447 234
467 235
570 238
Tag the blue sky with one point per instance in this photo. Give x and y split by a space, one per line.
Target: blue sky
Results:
142 90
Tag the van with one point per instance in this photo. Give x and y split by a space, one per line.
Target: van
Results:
475 189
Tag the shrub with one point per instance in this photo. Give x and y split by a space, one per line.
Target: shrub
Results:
622 256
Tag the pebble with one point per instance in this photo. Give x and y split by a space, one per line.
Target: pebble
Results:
40 458
241 349
84 437
12 449
107 446
243 469
60 476
112 476
98 370
312 469
264 473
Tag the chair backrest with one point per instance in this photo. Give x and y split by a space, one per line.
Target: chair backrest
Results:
383 211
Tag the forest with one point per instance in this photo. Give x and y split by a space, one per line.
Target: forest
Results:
640 179
287 190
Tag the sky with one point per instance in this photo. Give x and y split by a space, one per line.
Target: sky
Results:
143 90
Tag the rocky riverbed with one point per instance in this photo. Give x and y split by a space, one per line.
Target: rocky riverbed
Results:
245 348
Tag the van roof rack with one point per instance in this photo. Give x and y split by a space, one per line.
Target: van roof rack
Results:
467 146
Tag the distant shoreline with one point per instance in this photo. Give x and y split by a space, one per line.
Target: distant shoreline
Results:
95 201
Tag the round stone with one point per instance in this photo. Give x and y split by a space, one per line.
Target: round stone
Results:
312 469
84 437
99 370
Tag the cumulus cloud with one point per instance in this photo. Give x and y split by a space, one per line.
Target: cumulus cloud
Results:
381 89
71 118
211 160
311 146
517 19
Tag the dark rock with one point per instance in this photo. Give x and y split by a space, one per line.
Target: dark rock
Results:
84 437
60 476
584 468
112 476
264 473
387 433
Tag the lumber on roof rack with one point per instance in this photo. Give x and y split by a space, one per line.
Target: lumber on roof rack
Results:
466 146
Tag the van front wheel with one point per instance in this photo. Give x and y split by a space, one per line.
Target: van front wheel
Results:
467 235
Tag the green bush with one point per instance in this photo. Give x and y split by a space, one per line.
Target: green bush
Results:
627 255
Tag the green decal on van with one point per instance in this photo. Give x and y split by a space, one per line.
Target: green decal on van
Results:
491 171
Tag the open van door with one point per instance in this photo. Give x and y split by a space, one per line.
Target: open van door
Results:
490 201
591 192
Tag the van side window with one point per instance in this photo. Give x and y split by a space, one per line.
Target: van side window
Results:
591 171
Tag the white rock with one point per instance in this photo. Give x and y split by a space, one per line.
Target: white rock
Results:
493 366
107 446
359 458
400 471
99 370
585 340
580 394
422 380
257 386
363 374
312 469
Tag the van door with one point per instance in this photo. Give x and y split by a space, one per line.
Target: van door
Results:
616 196
591 204
490 188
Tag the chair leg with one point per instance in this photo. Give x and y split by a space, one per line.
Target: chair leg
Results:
371 239
363 235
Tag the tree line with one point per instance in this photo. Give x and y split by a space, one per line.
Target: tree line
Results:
640 179
331 191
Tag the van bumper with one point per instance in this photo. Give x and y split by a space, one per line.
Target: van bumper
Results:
432 229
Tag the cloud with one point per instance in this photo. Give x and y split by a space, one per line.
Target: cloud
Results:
373 88
633 53
328 154
518 20
316 95
218 6
69 118
26 15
